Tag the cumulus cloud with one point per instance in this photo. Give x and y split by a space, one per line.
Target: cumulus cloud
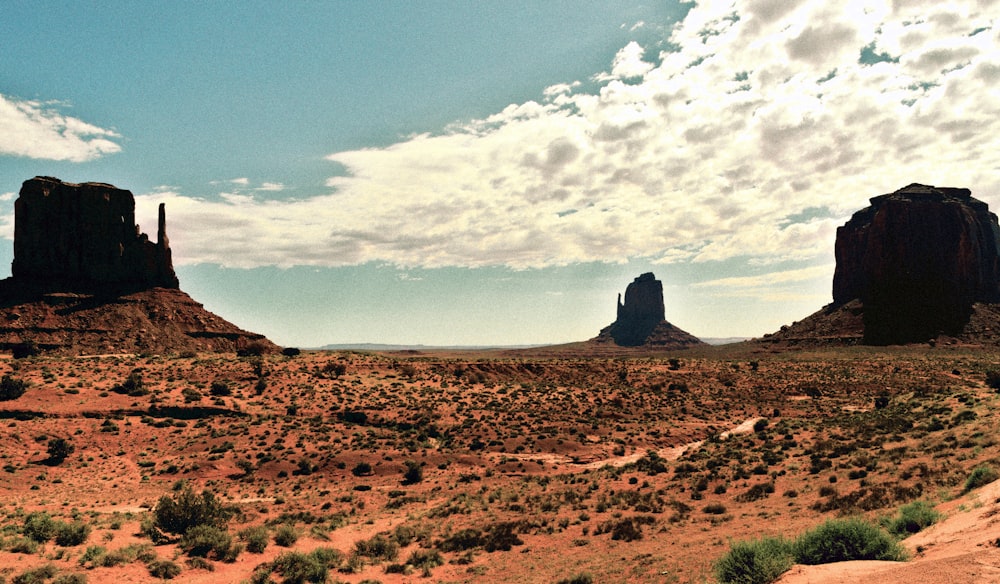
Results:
758 111
34 129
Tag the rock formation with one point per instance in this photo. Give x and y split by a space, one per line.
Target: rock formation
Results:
641 321
914 265
918 259
87 280
83 237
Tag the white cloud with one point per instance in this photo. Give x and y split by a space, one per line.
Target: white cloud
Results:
34 129
759 111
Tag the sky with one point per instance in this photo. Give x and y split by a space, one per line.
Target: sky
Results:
496 173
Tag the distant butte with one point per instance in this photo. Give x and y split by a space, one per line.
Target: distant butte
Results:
920 263
85 279
641 322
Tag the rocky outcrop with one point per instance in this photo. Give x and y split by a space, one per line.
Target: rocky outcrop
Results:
641 321
86 280
83 237
918 259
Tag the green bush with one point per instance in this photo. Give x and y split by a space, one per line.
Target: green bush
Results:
71 579
378 547
164 569
286 535
59 449
71 534
186 509
425 559
256 539
757 561
11 388
912 518
202 540
981 475
36 575
841 540
578 579
39 526
132 386
297 568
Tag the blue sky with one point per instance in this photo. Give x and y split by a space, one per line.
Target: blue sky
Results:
496 173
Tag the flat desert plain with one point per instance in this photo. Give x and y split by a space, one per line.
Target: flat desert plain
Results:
493 466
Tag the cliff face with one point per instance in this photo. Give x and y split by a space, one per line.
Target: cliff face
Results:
641 319
918 259
84 237
87 281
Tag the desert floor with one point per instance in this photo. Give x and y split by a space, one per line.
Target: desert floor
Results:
524 467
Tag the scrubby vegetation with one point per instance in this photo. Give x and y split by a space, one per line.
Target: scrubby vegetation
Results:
450 467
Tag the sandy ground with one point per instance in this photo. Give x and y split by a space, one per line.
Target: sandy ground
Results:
961 549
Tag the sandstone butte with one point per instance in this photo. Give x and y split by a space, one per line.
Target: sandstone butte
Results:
641 321
86 280
918 264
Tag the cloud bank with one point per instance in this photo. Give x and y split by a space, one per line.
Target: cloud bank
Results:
760 128
35 129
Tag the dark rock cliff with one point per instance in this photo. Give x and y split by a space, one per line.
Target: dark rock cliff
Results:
84 237
918 259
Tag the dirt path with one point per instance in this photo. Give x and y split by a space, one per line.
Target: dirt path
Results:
670 453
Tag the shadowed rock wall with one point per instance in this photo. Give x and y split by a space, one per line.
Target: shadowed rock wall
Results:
84 237
918 259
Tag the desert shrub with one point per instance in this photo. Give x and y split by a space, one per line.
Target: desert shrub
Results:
164 569
220 388
841 540
11 388
425 559
21 545
199 563
414 473
758 561
981 475
993 378
59 449
286 535
361 469
460 541
39 527
912 518
377 548
92 555
132 386
291 351
501 537
71 534
256 539
651 464
36 575
71 579
297 568
578 579
756 492
202 540
186 509
714 509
